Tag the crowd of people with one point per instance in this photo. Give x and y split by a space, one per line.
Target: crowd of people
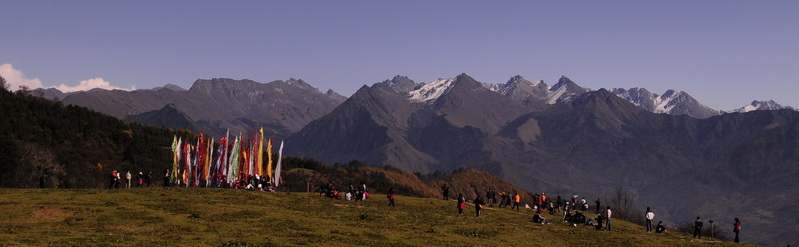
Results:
140 180
357 193
572 211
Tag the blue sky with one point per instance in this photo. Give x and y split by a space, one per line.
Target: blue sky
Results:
724 53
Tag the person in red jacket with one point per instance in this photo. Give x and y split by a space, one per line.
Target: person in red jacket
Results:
390 196
461 204
114 180
737 229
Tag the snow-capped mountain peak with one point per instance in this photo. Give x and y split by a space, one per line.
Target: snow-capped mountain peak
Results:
518 82
431 91
762 105
564 91
638 96
666 102
671 102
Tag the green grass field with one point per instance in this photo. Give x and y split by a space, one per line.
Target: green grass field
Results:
225 217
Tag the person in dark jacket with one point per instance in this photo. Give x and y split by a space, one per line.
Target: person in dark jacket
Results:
599 219
660 228
597 206
445 190
737 229
149 179
166 178
698 227
478 205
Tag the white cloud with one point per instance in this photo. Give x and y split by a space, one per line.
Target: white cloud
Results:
86 85
16 78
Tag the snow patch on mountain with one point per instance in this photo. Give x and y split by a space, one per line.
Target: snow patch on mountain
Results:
431 91
666 102
493 87
553 96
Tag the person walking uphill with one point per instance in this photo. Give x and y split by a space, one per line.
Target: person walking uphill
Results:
698 227
737 229
478 205
461 204
390 196
649 217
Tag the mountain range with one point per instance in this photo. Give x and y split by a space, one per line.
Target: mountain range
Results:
673 153
213 106
129 104
584 144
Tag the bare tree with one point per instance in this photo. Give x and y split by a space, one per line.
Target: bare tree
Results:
622 202
37 167
23 90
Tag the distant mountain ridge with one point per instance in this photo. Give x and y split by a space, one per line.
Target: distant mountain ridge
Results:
215 105
535 94
671 102
768 105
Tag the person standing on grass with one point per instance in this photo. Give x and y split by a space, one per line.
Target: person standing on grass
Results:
737 229
139 180
597 206
149 178
558 204
649 217
608 227
478 205
461 203
166 178
516 200
445 190
128 178
390 196
113 181
698 227
364 191
584 203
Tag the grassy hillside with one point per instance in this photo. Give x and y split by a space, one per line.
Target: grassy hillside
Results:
299 173
216 217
